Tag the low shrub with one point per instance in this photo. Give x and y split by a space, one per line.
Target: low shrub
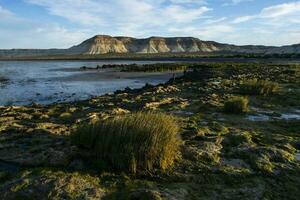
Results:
259 87
138 141
234 139
262 163
236 105
65 117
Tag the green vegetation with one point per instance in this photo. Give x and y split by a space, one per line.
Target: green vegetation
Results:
259 87
263 163
235 139
65 116
156 56
139 141
251 156
236 105
159 67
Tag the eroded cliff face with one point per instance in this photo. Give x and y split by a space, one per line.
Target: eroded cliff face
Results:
104 44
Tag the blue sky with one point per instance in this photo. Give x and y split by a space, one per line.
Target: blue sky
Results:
63 23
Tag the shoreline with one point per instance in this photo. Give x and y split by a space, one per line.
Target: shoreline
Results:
98 83
233 151
196 59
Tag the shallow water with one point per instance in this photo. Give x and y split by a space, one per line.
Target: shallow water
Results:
47 82
295 115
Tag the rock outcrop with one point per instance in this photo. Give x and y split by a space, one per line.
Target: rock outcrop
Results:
102 44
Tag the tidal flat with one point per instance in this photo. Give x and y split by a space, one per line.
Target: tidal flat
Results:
223 152
46 82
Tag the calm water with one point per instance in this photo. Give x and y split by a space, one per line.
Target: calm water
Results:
46 82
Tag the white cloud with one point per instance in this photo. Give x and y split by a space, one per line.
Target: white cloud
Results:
138 18
287 12
234 2
78 11
105 12
281 10
4 12
243 19
189 1
239 1
57 36
16 32
214 21
142 18
273 25
48 36
210 32
180 14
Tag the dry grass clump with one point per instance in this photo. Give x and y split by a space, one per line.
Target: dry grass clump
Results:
259 87
236 105
138 141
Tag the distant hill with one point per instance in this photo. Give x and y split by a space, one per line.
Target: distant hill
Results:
104 44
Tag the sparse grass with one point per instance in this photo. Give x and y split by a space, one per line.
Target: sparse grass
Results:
262 163
230 154
65 117
236 139
259 87
138 141
159 67
236 105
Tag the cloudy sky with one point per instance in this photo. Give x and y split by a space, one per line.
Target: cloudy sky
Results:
63 23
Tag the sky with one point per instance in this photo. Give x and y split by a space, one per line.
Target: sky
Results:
64 23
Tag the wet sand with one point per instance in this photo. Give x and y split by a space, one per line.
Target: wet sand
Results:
45 82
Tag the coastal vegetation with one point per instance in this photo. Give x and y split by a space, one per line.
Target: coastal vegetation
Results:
258 87
159 67
194 57
96 148
138 141
236 105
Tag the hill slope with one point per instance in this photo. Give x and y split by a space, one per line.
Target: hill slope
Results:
104 44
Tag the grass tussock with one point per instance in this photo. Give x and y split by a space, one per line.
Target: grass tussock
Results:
236 105
259 87
138 141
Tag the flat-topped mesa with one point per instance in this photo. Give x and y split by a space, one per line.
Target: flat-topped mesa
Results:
105 44
102 44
